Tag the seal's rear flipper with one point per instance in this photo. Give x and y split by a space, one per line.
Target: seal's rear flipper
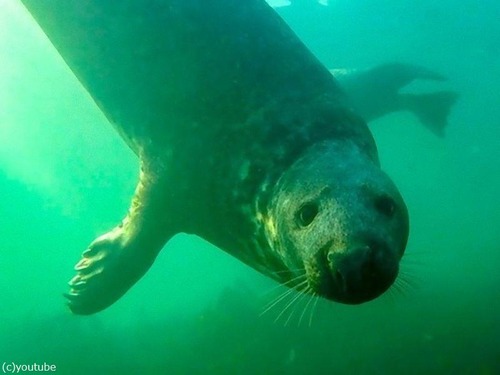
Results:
375 92
394 76
431 109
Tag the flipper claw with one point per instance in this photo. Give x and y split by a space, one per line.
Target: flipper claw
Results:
74 280
88 253
70 296
78 286
108 268
82 264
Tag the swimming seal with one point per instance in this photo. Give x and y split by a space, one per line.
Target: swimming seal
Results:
244 139
374 93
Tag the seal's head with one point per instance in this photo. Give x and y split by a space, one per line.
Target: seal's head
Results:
339 220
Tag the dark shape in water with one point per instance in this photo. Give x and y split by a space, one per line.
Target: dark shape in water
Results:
374 93
244 139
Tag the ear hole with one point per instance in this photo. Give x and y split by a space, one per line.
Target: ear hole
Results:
307 213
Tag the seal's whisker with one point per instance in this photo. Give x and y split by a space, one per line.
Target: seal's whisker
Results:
276 300
291 281
302 294
293 299
396 290
287 306
294 270
294 279
280 298
411 261
409 276
405 281
401 287
391 293
406 268
412 268
404 285
280 285
313 309
305 308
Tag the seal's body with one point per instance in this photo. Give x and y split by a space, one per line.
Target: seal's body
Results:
243 139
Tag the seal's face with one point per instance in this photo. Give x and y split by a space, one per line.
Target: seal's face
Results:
341 222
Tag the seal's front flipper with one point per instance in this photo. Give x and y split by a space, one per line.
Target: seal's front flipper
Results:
431 109
107 269
118 259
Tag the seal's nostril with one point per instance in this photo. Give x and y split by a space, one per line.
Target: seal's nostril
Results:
369 270
307 213
385 205
339 278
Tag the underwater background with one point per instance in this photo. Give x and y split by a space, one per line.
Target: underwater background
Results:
66 177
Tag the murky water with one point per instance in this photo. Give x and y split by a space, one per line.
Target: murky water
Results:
66 176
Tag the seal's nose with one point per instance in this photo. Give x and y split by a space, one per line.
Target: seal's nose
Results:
362 273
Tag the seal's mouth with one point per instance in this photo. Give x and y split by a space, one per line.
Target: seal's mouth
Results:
356 275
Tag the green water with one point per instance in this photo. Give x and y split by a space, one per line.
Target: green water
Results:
66 177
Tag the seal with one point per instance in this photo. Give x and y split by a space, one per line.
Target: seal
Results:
244 139
375 92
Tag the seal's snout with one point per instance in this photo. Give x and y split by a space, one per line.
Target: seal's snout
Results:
362 273
339 215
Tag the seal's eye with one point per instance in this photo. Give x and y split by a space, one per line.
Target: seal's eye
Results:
306 214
